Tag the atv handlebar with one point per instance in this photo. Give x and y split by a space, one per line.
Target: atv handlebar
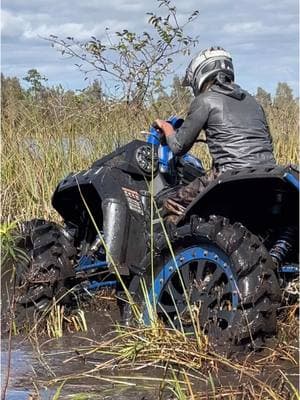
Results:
157 138
165 154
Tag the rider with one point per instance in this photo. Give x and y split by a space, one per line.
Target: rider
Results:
236 129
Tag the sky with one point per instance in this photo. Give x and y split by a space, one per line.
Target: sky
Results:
261 35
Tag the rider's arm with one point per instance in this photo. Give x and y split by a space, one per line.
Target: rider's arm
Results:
183 138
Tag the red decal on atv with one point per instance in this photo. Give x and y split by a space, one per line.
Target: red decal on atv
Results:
133 200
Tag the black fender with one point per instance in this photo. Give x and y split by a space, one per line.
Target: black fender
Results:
259 197
67 198
100 186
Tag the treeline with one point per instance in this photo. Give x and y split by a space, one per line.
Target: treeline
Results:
55 104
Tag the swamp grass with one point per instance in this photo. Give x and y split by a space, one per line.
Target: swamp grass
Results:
175 364
42 143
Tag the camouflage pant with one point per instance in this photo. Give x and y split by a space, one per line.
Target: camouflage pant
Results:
179 199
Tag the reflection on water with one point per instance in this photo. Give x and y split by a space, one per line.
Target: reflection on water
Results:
80 144
33 368
23 370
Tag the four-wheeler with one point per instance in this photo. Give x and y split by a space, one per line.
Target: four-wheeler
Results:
229 260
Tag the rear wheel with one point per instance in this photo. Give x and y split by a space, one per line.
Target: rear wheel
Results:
228 281
46 271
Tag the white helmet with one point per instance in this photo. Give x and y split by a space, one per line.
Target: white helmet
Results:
206 66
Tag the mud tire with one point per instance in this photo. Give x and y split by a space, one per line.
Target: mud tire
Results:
46 271
251 266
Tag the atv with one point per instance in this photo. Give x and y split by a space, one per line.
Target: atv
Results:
233 255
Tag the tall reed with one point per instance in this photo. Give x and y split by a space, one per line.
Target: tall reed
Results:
44 140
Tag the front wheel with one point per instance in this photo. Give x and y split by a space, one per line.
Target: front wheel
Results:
45 271
222 273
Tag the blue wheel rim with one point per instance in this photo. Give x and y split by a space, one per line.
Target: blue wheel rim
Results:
208 258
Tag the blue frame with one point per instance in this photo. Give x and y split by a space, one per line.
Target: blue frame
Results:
86 263
193 160
291 179
95 285
289 269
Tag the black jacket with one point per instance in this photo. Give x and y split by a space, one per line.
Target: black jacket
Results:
237 133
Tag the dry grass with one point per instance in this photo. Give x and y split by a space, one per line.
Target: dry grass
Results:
189 372
44 141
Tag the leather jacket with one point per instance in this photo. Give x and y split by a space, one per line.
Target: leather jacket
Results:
237 132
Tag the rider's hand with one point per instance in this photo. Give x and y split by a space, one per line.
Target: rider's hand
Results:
165 127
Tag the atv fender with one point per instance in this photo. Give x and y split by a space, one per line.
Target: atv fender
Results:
257 197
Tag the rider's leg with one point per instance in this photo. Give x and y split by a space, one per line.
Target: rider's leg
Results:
174 206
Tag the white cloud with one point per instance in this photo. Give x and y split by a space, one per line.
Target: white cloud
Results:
242 27
264 30
259 28
69 29
11 25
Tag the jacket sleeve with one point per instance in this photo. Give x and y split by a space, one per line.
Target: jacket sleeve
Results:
184 137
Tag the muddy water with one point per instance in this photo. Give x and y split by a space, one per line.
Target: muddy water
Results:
33 367
31 372
34 363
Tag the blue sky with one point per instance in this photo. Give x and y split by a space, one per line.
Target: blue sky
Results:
262 35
